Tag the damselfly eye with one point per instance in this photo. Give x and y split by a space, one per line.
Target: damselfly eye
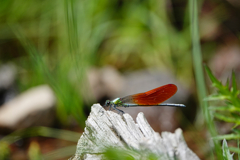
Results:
107 103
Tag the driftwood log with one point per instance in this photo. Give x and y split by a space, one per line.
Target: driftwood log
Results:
108 129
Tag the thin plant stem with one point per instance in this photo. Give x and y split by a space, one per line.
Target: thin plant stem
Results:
198 70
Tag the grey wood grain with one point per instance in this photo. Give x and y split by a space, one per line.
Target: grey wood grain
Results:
108 129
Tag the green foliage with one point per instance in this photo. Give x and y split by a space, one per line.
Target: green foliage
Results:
34 150
55 42
229 113
40 131
117 154
61 153
203 115
5 150
60 40
114 154
143 36
226 152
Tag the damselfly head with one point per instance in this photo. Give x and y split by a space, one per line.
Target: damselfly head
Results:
107 103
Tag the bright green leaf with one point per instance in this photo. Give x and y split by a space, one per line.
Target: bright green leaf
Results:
227 118
226 153
227 137
234 149
236 131
211 76
216 97
230 108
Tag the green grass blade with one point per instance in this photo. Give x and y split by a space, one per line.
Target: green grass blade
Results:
226 152
229 108
227 137
234 83
230 119
238 149
41 131
235 149
219 108
235 130
211 76
216 97
60 153
198 70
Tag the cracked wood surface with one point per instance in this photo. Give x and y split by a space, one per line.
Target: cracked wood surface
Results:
109 129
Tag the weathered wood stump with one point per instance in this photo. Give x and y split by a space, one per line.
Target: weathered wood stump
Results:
108 129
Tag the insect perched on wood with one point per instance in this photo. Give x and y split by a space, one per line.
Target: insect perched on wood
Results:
154 97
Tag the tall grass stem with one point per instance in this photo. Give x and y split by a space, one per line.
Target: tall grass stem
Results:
199 75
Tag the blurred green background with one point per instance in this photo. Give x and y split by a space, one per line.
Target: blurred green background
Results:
58 42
